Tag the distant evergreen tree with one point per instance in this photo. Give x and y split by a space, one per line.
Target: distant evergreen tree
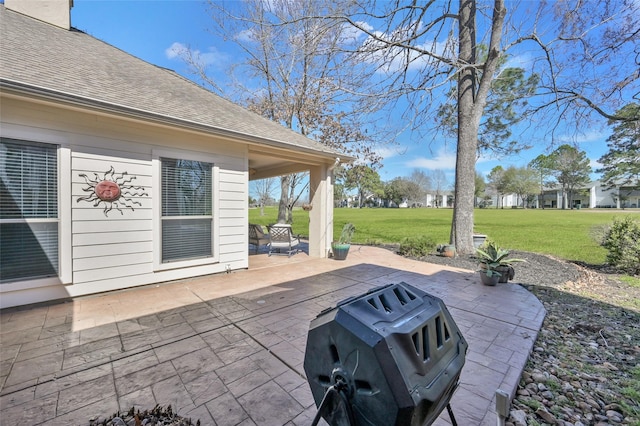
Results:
621 165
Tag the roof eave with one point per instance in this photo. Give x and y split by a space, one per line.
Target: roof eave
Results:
8 86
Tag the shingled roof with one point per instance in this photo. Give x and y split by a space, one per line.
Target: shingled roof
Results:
72 66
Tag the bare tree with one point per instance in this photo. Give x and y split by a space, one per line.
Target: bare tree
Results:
263 190
292 72
413 53
419 50
439 184
290 194
422 185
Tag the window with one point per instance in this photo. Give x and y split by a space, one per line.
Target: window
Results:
186 210
28 210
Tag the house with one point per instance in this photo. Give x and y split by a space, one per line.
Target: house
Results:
592 195
117 173
621 196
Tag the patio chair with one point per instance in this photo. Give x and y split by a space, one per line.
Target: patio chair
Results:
282 240
257 237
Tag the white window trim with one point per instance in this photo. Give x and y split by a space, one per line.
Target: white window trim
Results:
65 261
157 209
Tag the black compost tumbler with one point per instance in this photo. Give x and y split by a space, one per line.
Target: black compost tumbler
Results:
392 356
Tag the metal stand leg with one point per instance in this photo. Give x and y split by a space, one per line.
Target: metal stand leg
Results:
335 407
451 416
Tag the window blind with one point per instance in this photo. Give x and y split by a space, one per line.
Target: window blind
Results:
29 180
186 210
28 210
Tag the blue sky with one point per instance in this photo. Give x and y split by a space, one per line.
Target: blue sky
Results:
149 29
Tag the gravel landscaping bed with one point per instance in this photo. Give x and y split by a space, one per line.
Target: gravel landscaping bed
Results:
158 416
584 369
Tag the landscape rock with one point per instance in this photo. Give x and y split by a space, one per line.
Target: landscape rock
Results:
158 416
518 417
546 416
589 345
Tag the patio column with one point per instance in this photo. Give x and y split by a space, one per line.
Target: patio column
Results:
321 215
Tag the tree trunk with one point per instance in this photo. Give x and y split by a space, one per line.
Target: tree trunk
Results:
284 198
462 227
291 199
471 103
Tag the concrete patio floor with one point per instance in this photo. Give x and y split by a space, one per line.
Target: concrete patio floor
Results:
228 349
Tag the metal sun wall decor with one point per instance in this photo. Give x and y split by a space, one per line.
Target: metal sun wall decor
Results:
113 190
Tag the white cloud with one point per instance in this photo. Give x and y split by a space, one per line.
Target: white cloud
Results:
587 137
246 36
389 152
443 160
351 34
178 51
385 152
175 50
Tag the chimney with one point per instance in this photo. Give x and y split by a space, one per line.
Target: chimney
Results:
55 12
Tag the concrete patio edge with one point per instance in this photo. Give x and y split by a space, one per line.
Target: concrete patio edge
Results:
228 349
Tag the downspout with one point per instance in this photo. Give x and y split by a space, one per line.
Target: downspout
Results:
330 200
335 164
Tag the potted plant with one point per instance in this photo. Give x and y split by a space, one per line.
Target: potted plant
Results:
494 261
340 248
489 276
446 250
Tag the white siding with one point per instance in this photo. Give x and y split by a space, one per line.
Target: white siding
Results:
125 223
114 249
233 216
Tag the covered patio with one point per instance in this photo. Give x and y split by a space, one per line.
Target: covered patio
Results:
228 349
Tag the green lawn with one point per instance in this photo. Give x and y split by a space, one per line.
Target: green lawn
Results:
562 233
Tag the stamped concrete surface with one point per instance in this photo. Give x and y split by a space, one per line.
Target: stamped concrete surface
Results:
228 349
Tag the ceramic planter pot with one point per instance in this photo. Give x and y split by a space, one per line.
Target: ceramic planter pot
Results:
506 273
340 251
447 250
489 280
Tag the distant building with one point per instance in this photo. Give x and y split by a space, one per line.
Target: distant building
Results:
592 196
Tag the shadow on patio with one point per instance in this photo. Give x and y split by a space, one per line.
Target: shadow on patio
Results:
228 349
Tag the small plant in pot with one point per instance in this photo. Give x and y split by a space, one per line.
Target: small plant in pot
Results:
340 248
446 250
495 266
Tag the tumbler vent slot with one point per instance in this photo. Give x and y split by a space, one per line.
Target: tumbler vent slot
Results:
438 331
400 296
380 302
421 343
